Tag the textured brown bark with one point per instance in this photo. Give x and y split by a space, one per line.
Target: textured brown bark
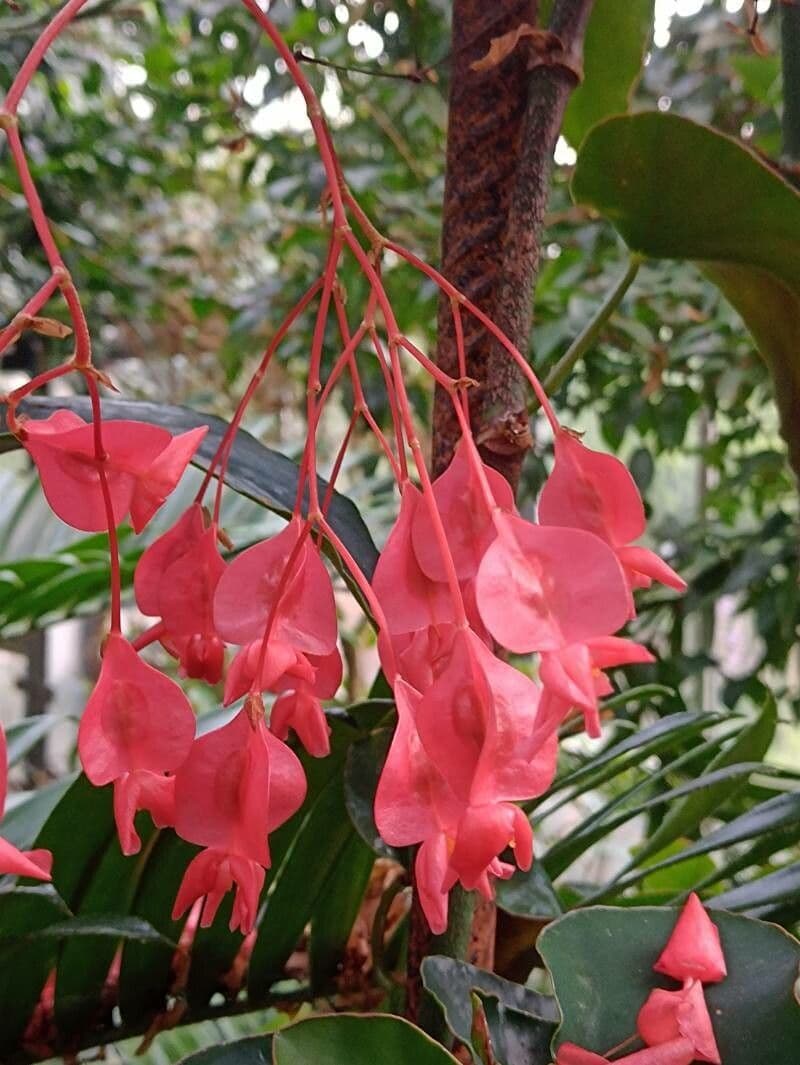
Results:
503 127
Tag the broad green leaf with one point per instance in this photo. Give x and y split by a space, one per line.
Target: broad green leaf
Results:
255 1050
613 57
352 1039
648 173
97 926
451 983
264 475
22 736
684 817
529 894
26 815
600 991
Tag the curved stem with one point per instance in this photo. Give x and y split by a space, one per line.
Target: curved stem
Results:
592 330
113 543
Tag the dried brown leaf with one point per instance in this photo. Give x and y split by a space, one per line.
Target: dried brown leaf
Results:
543 42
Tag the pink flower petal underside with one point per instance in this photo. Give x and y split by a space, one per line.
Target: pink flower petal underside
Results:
412 802
694 950
222 791
540 588
306 615
69 471
287 781
210 875
148 580
136 718
466 517
645 566
280 658
34 864
303 712
676 1052
410 600
670 1015
593 491
142 790
430 868
161 477
484 833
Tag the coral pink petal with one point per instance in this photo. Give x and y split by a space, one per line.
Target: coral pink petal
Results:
484 833
610 651
566 586
222 791
641 561
328 672
676 1052
405 810
302 711
159 479
694 950
187 606
280 658
142 790
306 614
210 875
430 868
571 1054
287 781
148 580
34 864
670 1015
409 599
465 515
593 491
136 718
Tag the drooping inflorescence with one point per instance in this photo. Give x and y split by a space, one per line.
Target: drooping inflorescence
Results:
462 579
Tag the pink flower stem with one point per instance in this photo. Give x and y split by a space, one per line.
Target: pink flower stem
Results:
397 424
454 294
149 636
20 321
222 456
101 459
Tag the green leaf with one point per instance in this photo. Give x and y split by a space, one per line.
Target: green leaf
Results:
255 1050
765 894
23 735
451 983
352 1039
256 471
684 817
96 926
529 894
648 174
362 771
600 991
26 816
613 55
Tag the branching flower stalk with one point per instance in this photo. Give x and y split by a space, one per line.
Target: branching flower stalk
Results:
461 575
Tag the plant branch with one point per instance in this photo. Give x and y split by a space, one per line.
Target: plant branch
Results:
590 332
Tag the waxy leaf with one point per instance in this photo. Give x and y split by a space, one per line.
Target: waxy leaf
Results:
648 173
600 991
351 1039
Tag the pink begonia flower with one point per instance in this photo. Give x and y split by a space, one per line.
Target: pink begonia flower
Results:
136 721
144 464
677 1052
238 784
142 790
299 704
575 674
305 617
35 864
447 782
280 657
694 950
176 579
465 515
409 599
594 491
671 1015
542 588
420 656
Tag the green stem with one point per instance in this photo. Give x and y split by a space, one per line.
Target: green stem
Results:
790 48
589 334
453 943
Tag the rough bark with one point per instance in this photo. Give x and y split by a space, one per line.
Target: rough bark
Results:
503 127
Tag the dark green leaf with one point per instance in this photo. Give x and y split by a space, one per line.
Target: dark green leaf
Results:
255 1050
363 767
350 1039
600 991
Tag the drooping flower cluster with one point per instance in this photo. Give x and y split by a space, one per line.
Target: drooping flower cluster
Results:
463 579
675 1025
475 733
